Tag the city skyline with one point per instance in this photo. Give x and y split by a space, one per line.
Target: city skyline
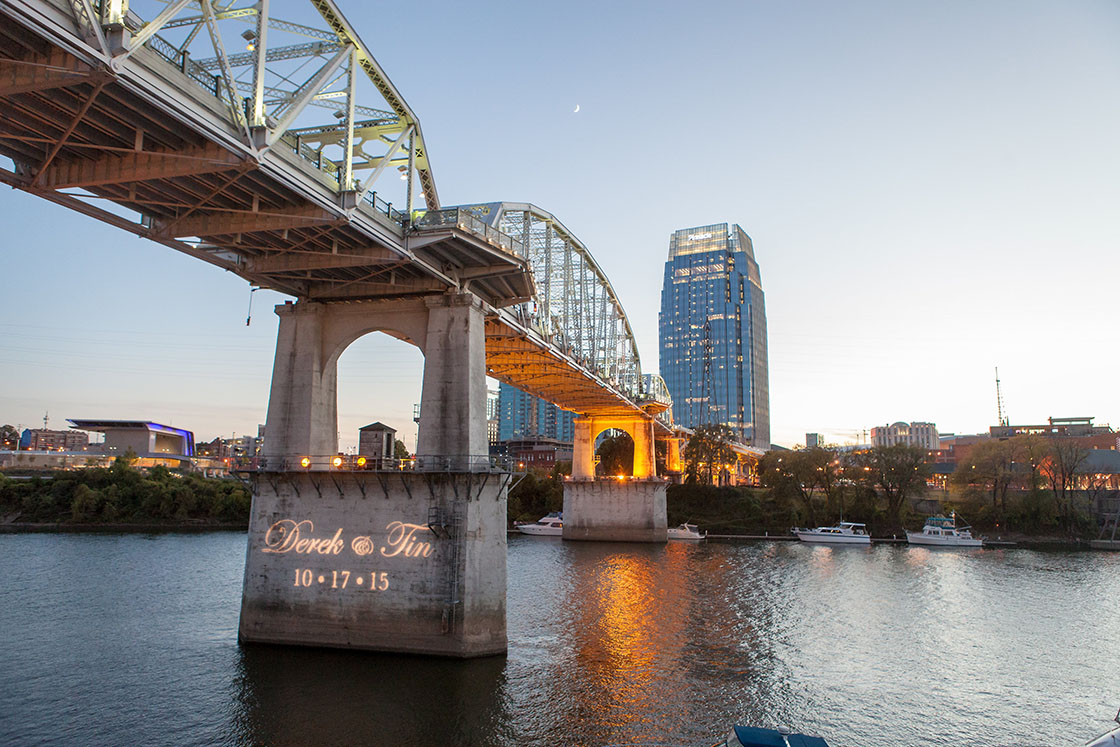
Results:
929 191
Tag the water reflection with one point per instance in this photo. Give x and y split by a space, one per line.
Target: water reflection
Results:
297 696
649 644
132 640
620 606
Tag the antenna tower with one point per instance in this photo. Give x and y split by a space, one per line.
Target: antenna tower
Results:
1001 410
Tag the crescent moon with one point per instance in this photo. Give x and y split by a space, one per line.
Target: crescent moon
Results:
576 109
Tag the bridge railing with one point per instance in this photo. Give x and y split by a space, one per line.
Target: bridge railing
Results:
213 83
467 221
361 463
655 398
183 61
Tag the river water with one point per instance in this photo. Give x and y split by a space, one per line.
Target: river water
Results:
132 639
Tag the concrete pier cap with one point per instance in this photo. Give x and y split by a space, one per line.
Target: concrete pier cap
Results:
384 561
614 510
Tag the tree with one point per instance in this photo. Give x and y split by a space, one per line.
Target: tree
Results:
9 437
536 495
801 473
123 463
661 457
1096 487
708 450
989 464
1030 450
400 451
616 455
897 471
1059 468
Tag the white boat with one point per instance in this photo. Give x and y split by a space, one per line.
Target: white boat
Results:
551 525
942 531
844 533
686 532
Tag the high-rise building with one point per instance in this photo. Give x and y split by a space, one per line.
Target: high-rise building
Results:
713 332
522 415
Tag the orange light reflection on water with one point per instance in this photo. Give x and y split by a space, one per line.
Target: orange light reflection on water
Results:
636 609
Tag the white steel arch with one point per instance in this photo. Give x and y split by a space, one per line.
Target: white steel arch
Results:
274 74
575 307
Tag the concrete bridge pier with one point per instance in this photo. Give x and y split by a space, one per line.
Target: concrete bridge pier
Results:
624 509
406 561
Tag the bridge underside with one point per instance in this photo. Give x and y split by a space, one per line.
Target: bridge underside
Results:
539 369
148 150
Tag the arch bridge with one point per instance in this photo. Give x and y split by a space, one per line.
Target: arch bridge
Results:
277 148
259 144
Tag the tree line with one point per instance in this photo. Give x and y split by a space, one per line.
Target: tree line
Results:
123 495
1029 483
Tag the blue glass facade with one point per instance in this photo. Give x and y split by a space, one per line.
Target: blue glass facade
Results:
522 415
713 332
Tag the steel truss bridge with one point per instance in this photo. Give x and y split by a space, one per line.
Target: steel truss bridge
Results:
274 149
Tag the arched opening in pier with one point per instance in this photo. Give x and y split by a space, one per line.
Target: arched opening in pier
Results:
379 381
615 451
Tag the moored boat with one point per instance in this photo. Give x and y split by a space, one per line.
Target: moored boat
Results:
844 533
1110 738
753 736
942 531
550 525
686 532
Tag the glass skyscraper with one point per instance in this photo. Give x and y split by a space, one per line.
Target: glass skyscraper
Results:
713 332
522 415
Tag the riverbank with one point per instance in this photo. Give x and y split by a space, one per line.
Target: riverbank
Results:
20 527
1023 542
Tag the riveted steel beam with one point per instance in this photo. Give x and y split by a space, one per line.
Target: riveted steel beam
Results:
138 167
42 72
302 261
220 223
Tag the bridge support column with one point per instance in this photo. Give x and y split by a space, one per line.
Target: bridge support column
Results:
673 460
452 429
583 450
629 509
303 402
385 560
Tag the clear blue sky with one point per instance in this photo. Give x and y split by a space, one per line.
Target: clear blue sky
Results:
931 188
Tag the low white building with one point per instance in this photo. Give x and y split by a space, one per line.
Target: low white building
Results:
912 434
